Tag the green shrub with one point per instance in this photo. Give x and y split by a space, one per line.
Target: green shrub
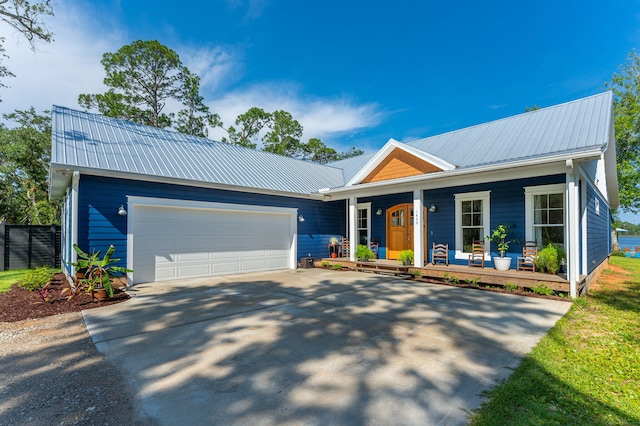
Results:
548 260
541 288
472 281
416 273
364 253
337 266
325 264
35 279
511 286
406 257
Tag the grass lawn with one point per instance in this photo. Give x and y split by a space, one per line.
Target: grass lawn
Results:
9 278
586 371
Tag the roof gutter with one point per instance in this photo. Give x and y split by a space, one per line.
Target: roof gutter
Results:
584 155
169 180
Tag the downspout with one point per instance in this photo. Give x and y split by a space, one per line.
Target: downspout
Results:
75 184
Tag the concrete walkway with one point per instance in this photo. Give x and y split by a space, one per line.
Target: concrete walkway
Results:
316 347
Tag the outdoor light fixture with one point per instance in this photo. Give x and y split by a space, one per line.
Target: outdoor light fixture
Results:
432 209
379 212
122 211
300 218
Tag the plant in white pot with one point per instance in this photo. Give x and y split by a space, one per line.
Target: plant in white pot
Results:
499 236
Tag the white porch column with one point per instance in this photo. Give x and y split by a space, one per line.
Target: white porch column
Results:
418 231
573 230
353 216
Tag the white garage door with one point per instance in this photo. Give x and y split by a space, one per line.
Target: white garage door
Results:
177 242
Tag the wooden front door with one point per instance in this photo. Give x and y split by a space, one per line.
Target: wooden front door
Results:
400 229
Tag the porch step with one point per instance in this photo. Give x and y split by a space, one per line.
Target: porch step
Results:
382 268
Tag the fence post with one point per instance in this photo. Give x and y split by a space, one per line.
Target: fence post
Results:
3 229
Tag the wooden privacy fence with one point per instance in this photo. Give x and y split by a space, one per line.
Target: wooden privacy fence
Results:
29 246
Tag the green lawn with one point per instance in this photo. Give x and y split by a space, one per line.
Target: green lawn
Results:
586 371
9 278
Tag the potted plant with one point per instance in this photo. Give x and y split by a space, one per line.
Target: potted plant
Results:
94 274
499 237
548 260
406 257
334 247
364 253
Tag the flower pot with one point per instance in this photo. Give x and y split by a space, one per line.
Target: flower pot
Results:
502 263
99 294
334 255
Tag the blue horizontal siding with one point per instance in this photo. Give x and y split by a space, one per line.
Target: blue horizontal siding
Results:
99 224
598 230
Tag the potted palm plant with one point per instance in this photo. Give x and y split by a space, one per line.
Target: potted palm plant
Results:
499 237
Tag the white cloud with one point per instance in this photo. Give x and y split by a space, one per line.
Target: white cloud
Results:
322 118
216 66
56 73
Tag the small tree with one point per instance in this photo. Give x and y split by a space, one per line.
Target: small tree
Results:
499 237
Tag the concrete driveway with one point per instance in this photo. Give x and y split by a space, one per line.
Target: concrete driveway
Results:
316 347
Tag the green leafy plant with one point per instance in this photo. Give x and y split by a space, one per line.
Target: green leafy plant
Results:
499 237
38 280
95 272
406 257
416 273
548 260
541 288
511 286
450 279
325 264
337 266
472 281
364 253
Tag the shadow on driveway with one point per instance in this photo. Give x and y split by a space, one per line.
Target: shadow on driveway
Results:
316 347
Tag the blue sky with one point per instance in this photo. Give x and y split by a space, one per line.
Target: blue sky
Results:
354 73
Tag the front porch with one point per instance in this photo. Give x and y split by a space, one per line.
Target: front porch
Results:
459 273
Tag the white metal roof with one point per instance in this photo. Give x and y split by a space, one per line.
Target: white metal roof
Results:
85 141
576 126
91 142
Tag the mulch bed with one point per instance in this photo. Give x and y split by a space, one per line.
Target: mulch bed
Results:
19 304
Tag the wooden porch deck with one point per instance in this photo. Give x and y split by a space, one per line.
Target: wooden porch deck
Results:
525 279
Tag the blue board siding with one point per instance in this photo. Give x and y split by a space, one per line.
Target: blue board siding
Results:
99 224
507 206
598 230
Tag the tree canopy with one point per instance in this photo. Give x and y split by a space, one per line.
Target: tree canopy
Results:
25 152
282 135
625 85
142 77
26 18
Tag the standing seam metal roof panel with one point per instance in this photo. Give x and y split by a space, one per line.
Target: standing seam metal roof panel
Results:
94 141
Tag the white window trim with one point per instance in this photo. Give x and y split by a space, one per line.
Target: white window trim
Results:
485 196
367 207
529 192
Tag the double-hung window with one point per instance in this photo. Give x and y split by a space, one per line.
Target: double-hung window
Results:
363 223
545 214
472 219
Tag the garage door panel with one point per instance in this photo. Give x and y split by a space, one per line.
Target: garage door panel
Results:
194 257
226 255
197 270
254 265
172 242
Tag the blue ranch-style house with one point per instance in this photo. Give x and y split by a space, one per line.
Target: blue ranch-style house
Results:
177 206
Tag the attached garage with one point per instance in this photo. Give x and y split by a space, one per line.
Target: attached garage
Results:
173 239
